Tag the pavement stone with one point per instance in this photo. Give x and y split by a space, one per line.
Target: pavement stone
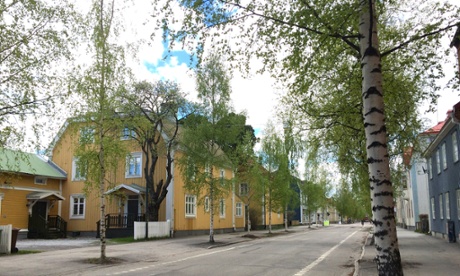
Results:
421 254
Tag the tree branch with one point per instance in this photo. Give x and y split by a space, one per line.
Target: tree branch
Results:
413 39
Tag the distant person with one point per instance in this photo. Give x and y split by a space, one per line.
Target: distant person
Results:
362 222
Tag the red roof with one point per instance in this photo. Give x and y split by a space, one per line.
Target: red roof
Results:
437 128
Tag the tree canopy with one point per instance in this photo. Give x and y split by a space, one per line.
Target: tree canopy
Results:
35 37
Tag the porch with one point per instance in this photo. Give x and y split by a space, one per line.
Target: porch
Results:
119 225
42 225
53 227
131 208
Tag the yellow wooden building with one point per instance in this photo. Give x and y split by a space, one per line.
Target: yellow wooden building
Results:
31 194
126 195
44 196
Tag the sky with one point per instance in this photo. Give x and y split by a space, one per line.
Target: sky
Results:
256 96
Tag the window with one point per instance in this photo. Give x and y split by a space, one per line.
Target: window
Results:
239 209
191 170
207 170
78 170
444 156
458 204
127 133
430 168
441 213
222 208
86 135
432 208
40 180
244 189
446 195
206 204
133 165
438 162
222 177
454 146
190 206
77 206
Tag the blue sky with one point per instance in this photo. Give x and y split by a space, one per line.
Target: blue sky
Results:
181 56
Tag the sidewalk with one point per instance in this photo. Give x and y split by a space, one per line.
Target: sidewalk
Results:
72 256
421 255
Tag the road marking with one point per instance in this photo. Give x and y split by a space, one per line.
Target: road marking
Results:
322 257
172 262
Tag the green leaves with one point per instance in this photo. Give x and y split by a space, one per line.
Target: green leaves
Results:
34 38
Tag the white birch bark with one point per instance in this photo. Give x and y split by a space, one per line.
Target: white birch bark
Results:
386 242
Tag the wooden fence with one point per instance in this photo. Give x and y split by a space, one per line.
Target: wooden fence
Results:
156 229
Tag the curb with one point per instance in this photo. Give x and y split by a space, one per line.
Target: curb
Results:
363 251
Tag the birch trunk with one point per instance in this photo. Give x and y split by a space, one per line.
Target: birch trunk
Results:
386 242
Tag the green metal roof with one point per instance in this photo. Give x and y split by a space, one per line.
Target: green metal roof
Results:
28 163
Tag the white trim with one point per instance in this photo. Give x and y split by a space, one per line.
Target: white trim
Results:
74 171
454 141
20 188
444 156
192 206
78 216
222 208
240 207
130 157
447 203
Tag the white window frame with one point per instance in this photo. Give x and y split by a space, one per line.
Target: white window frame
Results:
76 173
458 204
207 170
127 134
433 213
444 156
222 208
206 204
190 206
441 210
131 157
87 135
454 146
40 180
438 162
77 204
447 202
245 191
222 177
430 167
239 209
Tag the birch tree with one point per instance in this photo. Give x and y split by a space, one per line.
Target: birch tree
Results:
275 179
100 148
35 37
292 40
202 153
